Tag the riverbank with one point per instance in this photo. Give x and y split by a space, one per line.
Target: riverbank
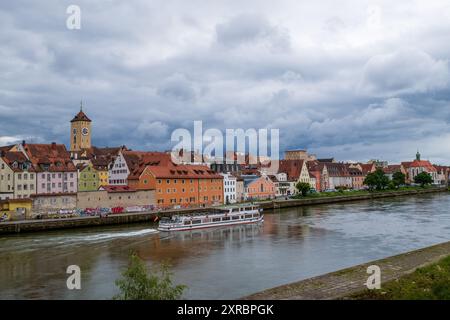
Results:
431 282
88 221
351 196
344 283
128 218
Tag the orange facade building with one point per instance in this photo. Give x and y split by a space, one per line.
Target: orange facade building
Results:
181 185
258 188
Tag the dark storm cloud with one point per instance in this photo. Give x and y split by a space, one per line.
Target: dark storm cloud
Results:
353 79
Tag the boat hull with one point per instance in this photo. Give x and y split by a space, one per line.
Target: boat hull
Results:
209 225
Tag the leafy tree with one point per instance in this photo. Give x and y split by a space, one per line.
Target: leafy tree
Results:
392 185
376 180
423 179
303 188
398 178
137 284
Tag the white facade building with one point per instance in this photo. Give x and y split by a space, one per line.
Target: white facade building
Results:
229 188
118 171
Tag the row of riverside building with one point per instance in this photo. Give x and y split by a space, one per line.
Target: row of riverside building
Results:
38 179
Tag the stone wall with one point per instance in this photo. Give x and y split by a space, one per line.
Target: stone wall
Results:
48 203
103 199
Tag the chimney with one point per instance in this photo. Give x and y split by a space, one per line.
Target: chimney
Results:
54 145
23 143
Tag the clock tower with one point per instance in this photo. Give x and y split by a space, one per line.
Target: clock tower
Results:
80 132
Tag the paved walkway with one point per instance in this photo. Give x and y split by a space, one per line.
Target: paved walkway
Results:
341 283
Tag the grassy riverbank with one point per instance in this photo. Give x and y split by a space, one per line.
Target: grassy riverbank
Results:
428 283
358 192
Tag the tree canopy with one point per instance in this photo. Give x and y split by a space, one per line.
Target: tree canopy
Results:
376 180
423 179
303 188
137 284
398 178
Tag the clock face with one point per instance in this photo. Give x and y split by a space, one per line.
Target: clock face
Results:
85 131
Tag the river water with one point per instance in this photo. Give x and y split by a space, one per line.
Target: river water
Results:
225 263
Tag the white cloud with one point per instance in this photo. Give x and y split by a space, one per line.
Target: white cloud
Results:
404 71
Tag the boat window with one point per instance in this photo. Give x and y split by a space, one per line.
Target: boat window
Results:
187 222
216 219
196 221
225 218
235 210
248 209
248 216
255 215
235 217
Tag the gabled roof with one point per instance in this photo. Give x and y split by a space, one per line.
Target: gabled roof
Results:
52 157
419 164
354 171
16 161
81 116
337 170
392 168
6 148
367 167
292 168
137 161
249 179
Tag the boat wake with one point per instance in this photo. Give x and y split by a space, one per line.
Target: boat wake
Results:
113 235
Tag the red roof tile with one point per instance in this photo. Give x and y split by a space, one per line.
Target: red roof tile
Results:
50 157
81 116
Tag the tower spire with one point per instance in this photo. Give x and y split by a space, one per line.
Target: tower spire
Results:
81 105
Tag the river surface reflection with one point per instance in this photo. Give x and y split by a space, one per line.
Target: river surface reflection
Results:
229 262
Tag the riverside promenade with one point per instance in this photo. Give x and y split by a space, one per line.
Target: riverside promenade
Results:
11 227
342 283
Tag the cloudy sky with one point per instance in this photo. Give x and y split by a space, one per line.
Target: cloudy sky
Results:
351 79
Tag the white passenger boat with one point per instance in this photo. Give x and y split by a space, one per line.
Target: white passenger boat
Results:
220 217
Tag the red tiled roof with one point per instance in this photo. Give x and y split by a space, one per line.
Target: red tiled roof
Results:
16 160
419 163
354 171
366 168
392 168
292 168
337 170
6 148
81 116
137 161
52 156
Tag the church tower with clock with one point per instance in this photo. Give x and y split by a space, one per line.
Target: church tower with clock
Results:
80 132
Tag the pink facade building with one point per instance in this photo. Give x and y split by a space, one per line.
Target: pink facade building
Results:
56 172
